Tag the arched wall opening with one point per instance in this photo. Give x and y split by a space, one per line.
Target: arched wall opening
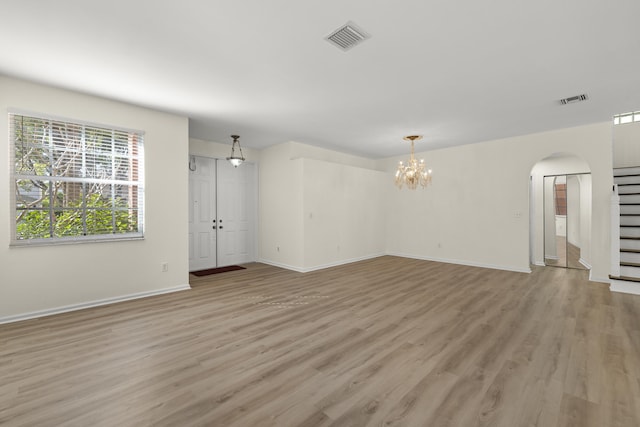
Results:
561 163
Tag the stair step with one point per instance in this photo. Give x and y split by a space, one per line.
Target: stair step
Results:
627 278
629 189
629 232
631 170
630 264
629 244
629 270
630 257
629 198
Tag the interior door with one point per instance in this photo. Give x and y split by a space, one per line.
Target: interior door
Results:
235 213
202 213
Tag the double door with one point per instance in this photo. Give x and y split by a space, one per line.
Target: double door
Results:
221 213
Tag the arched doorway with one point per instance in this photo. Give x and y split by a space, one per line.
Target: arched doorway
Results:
551 240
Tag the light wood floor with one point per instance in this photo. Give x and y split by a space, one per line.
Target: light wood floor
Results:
568 255
389 341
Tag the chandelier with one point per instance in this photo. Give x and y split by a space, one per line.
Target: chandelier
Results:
234 159
414 172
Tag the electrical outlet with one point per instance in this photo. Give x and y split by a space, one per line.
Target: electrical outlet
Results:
165 267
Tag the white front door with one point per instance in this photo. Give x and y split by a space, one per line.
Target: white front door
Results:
235 213
202 213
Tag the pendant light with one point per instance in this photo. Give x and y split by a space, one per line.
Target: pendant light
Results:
234 159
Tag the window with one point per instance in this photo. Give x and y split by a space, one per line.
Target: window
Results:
626 118
74 181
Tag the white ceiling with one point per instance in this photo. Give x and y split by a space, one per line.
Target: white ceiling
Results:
458 72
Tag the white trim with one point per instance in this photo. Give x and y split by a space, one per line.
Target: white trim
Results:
593 278
585 263
462 262
342 262
552 257
540 264
322 266
89 304
279 265
98 238
624 286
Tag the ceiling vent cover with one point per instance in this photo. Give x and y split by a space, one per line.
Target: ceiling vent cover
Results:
347 36
574 99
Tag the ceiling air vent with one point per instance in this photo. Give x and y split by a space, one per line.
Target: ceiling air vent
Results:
574 99
347 36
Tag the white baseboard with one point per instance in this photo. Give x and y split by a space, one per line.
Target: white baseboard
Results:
319 267
280 265
624 286
89 304
462 262
342 262
593 278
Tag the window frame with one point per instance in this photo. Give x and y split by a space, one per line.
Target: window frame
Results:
137 184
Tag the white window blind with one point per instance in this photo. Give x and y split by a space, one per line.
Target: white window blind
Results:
75 181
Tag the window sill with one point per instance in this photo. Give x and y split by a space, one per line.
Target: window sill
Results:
74 241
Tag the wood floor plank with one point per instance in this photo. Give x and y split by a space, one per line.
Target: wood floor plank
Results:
386 341
576 412
540 404
508 385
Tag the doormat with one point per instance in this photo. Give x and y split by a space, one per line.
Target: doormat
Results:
210 271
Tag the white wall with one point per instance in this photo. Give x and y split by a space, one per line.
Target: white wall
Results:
37 279
626 145
319 207
216 150
299 150
343 210
476 212
280 208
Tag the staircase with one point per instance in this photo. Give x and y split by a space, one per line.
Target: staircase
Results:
625 268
